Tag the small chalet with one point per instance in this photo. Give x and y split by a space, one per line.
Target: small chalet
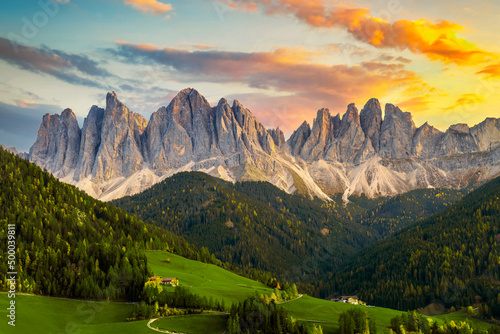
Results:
354 300
173 281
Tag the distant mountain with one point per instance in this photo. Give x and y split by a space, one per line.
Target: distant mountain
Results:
451 258
118 152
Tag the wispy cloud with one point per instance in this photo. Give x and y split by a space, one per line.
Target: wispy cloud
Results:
197 46
437 41
290 72
64 66
150 6
491 71
466 99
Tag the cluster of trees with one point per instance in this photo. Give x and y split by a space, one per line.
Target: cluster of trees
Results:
356 321
158 301
254 315
144 311
288 292
453 257
413 322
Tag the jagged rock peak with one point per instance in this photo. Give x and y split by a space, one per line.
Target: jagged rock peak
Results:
323 116
392 110
278 136
460 127
112 100
371 120
68 113
222 101
189 94
115 107
351 115
373 104
58 143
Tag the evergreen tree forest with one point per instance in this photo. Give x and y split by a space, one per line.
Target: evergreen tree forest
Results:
452 257
254 315
250 224
356 321
68 244
413 322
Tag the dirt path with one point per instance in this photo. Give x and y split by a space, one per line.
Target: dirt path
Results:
160 330
291 300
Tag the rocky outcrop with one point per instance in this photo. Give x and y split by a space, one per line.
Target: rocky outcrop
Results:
396 134
90 142
349 143
58 143
278 137
298 138
425 140
119 152
370 119
322 133
486 134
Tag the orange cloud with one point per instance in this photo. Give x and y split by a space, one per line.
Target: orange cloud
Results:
491 71
150 6
25 103
437 41
198 46
466 99
303 85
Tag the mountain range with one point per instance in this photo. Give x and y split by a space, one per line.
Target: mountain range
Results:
118 152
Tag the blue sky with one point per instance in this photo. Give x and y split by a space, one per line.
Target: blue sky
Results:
283 59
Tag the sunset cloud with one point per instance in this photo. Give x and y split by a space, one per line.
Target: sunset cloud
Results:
286 71
491 71
197 46
465 100
150 6
64 66
437 41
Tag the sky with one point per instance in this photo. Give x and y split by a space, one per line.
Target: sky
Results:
282 59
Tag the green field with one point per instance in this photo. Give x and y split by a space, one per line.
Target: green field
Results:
45 315
326 313
204 279
193 324
36 314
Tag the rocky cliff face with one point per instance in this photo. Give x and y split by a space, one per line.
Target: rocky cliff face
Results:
118 152
58 143
371 120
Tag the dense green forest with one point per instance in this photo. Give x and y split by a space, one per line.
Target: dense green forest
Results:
413 322
251 224
452 257
255 315
390 214
69 244
257 225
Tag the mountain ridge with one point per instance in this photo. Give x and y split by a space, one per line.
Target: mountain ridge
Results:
118 152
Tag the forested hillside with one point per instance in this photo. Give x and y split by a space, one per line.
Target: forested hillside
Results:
252 224
69 244
452 257
393 213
